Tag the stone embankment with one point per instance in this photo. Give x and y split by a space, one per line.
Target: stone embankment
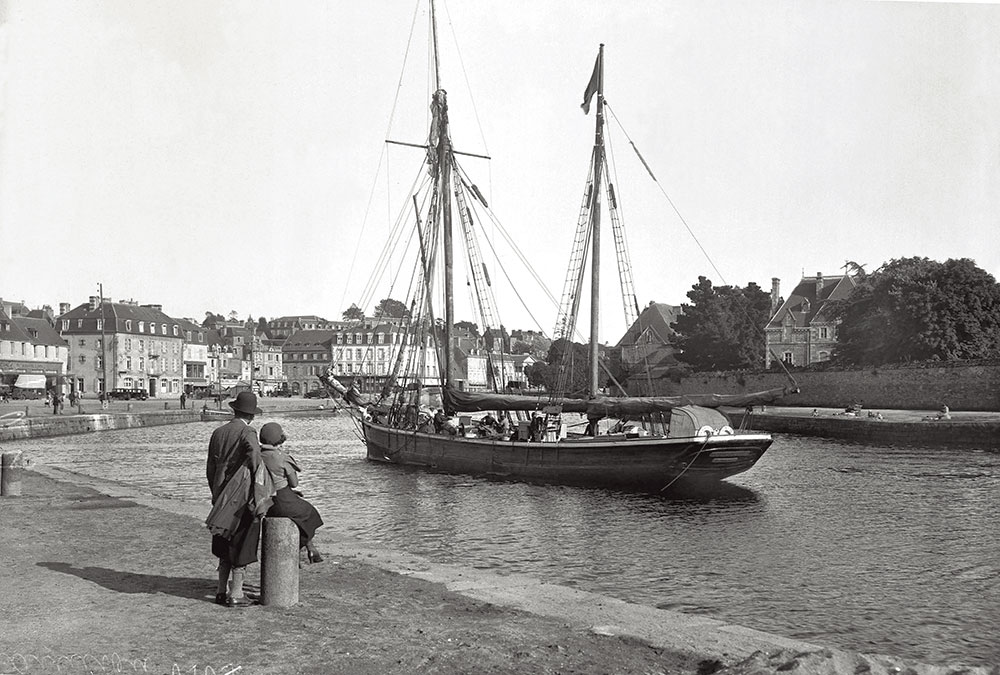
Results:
14 427
907 427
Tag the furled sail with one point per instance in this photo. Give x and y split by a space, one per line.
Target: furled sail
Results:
604 406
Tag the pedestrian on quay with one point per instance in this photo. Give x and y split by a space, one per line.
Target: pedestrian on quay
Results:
288 501
56 402
242 492
184 399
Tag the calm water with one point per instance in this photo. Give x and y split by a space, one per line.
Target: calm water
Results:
880 549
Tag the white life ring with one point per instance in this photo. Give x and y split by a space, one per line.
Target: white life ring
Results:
705 431
726 431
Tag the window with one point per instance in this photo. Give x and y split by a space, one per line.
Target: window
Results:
350 338
128 363
128 344
65 326
128 324
142 325
79 385
127 382
79 323
175 331
787 358
358 355
824 333
163 329
142 364
357 337
340 338
99 343
371 338
381 338
98 362
83 343
83 358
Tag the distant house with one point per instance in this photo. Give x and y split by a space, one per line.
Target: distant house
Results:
32 355
645 348
801 330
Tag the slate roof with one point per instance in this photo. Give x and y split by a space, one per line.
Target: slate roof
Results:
39 331
655 318
806 304
115 315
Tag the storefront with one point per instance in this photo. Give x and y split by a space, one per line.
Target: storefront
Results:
27 379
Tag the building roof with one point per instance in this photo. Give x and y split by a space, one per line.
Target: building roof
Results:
811 297
655 319
9 330
115 314
304 339
39 331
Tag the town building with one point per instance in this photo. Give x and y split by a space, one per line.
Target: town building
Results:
32 355
122 345
645 351
195 358
802 330
283 327
354 350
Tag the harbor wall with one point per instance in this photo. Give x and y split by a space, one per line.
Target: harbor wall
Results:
866 430
925 386
54 425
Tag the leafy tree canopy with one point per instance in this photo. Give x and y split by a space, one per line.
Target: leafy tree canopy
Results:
353 313
212 320
723 327
919 309
472 328
392 308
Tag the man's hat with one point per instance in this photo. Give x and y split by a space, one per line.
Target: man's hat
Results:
246 402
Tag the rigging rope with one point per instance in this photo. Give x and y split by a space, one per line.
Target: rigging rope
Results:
695 238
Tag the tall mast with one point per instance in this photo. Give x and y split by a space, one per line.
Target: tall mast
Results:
595 228
444 174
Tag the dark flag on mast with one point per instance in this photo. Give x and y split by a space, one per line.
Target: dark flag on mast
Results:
588 94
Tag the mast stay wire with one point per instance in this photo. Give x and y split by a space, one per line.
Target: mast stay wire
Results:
382 155
697 241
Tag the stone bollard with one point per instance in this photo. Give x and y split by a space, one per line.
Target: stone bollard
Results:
128 407
10 474
279 563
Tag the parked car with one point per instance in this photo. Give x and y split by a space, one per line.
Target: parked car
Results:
123 394
284 393
317 393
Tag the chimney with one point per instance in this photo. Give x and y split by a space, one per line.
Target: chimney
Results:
775 294
95 300
819 282
64 308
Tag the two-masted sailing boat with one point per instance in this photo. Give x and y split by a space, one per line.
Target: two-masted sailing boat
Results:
422 419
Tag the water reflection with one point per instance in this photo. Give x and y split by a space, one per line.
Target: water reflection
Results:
884 549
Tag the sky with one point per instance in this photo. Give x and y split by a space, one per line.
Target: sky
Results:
229 156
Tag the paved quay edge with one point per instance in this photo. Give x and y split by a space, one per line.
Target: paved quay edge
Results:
694 636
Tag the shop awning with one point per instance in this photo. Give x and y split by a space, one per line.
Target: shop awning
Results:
30 382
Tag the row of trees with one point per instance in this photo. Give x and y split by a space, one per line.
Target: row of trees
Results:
909 309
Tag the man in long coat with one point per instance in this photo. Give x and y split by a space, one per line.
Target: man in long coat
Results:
232 446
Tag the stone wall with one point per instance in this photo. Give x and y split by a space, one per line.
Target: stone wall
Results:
54 425
973 385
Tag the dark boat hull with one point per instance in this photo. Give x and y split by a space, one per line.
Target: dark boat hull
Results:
647 463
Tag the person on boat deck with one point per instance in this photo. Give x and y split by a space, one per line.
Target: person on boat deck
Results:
288 502
233 466
439 420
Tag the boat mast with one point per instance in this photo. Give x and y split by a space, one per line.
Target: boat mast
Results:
444 177
595 228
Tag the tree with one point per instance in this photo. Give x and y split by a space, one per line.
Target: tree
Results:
472 328
353 313
919 309
392 309
212 320
723 327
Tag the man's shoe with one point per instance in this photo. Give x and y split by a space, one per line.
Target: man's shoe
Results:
220 598
242 601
